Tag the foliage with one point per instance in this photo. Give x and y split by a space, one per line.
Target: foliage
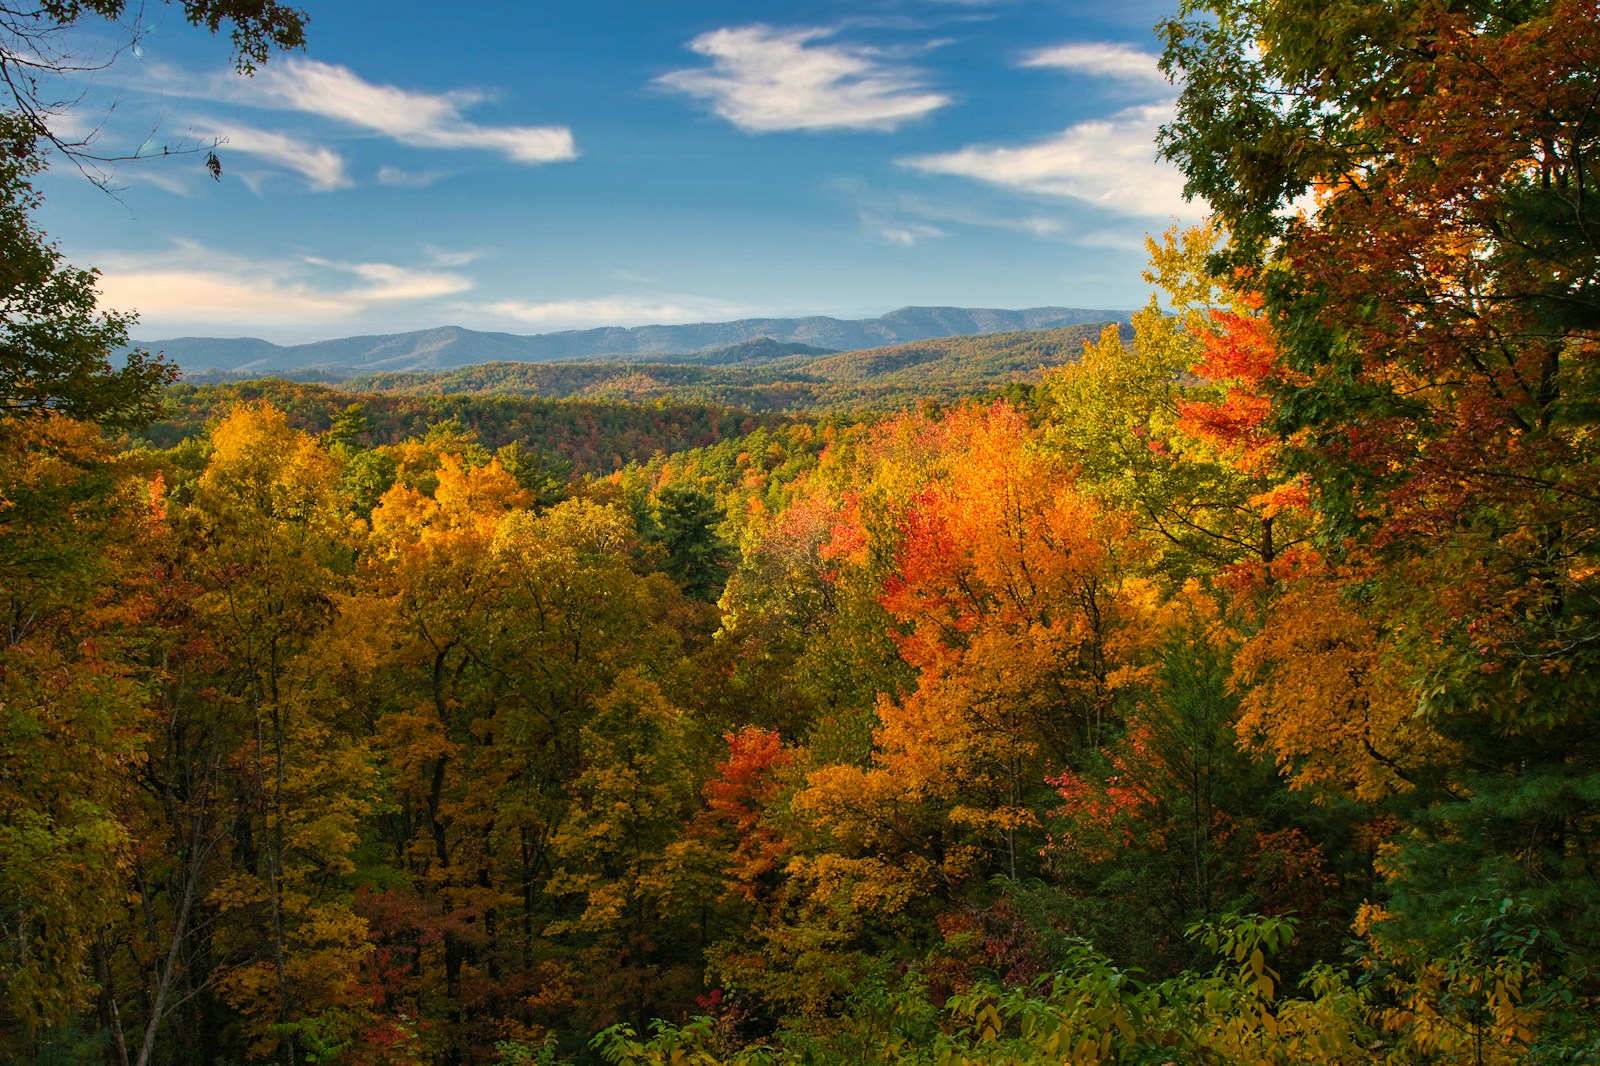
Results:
56 345
695 556
360 730
1170 430
947 369
1089 1012
72 714
597 437
1439 403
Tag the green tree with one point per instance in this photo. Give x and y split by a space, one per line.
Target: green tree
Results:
696 556
350 428
56 346
1161 428
537 470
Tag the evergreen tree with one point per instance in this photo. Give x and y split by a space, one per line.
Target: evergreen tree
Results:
696 556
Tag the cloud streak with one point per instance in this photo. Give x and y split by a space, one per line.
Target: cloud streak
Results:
882 214
1108 163
905 233
1116 62
421 120
193 286
406 179
613 310
322 167
338 94
766 80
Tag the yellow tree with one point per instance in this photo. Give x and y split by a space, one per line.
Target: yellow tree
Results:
614 850
496 632
252 791
429 609
72 715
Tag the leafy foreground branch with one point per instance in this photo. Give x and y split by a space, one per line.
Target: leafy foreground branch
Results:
1486 1004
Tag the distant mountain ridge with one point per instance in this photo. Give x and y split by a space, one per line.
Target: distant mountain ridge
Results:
452 346
606 413
764 376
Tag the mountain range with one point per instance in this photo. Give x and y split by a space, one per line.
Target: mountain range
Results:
764 375
452 346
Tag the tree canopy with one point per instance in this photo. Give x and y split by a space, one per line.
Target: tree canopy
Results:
1227 698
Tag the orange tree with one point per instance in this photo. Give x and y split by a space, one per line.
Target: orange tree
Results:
1009 598
1438 316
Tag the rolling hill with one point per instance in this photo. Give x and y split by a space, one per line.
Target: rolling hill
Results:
451 346
943 369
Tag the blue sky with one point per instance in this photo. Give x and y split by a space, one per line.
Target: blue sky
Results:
537 167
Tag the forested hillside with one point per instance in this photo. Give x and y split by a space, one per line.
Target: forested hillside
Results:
878 379
602 416
452 346
1228 696
598 436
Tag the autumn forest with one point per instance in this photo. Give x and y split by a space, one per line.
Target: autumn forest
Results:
1224 694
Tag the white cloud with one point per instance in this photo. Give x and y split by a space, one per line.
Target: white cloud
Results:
162 295
612 310
190 286
1119 62
386 281
898 231
451 257
1109 163
765 80
407 179
422 120
322 167
418 119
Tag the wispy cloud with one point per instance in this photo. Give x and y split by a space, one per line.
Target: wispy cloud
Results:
905 233
919 216
766 80
191 286
1109 163
386 281
176 184
407 179
613 310
451 257
423 120
70 126
1118 62
322 167
634 277
330 91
